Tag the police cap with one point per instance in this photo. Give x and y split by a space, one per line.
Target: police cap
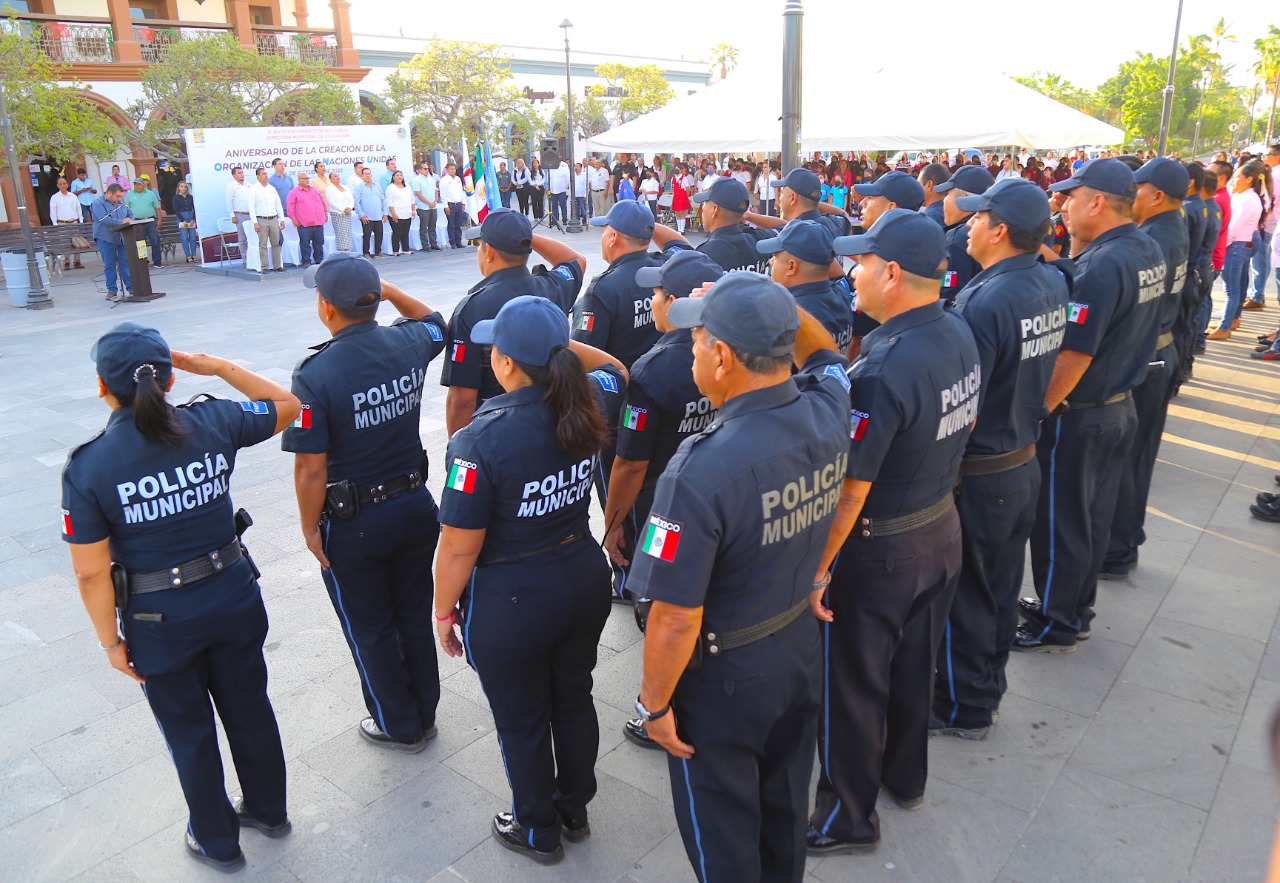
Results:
804 182
681 273
745 310
913 241
528 328
1103 175
728 193
124 349
897 187
970 179
1165 174
628 217
1016 200
346 280
809 241
508 231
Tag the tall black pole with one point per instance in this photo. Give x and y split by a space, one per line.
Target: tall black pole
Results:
1168 88
575 222
37 297
792 67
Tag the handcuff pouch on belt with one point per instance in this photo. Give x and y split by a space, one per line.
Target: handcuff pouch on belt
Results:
120 583
344 499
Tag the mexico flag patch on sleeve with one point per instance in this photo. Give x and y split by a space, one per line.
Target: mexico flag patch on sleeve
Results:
462 476
634 418
66 523
303 420
1078 313
858 424
661 538
459 351
587 321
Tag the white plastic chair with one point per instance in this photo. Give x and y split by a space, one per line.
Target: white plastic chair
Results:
226 250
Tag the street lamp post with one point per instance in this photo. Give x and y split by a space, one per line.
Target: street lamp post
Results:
1206 82
792 64
37 297
1167 113
575 222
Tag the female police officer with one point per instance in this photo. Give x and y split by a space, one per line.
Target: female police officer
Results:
150 493
516 537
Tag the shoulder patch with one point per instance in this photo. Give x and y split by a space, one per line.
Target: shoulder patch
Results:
564 272
1078 313
434 330
605 379
255 407
858 421
303 420
838 373
462 476
587 321
661 538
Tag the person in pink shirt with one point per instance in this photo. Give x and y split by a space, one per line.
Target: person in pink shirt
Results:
116 178
308 211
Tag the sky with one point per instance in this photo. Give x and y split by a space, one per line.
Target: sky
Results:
1083 40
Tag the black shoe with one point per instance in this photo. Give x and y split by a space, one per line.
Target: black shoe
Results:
275 832
938 728
821 844
1200 349
1266 338
906 804
1114 572
575 831
1266 512
1032 642
1265 498
507 831
370 730
635 731
1031 606
226 866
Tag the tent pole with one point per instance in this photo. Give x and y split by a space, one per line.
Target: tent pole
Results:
792 60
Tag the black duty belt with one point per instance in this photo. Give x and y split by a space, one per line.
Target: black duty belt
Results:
871 528
372 495
990 464
188 572
714 644
1164 340
1084 406
489 556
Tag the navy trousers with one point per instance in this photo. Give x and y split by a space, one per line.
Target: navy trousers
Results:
997 513
206 654
311 244
380 584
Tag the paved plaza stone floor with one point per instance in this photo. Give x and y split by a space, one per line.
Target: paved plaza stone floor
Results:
1143 756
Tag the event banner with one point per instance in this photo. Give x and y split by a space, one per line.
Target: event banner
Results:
213 153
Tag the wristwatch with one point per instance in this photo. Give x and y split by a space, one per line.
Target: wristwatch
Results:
648 716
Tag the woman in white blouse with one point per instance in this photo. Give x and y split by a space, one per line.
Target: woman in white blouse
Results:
400 210
520 181
537 188
341 202
765 191
649 190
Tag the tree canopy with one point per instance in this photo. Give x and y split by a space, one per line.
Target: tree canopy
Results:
642 88
725 57
590 117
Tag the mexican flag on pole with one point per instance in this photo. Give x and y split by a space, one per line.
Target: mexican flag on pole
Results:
473 182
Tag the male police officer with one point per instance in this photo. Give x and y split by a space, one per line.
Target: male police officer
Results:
915 396
728 242
802 257
1112 324
961 267
506 241
1196 215
360 475
614 313
1016 308
732 541
931 178
800 199
1157 208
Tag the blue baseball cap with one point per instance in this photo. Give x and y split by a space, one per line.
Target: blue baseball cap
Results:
1016 200
627 216
528 328
913 241
1165 174
809 241
804 182
970 179
124 349
728 193
1104 175
897 187
745 310
346 280
681 273
508 231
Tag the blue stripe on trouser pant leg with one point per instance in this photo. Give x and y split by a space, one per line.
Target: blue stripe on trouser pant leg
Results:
1053 486
351 638
697 831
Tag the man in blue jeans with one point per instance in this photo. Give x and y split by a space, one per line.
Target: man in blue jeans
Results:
107 211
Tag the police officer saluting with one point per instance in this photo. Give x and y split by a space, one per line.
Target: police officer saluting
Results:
1016 308
915 396
732 661
506 241
174 600
1157 208
961 267
360 475
1112 323
516 553
800 199
802 257
729 243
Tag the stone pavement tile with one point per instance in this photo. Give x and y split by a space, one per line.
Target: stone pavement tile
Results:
9 547
1223 463
310 715
46 665
77 833
1238 837
1240 605
1018 761
26 786
1124 607
620 631
1094 828
957 836
49 608
315 806
35 565
617 681
1075 682
411 834
467 685
644 769
1252 746
1198 664
163 857
35 719
113 870
1168 746
665 863
95 752
1183 498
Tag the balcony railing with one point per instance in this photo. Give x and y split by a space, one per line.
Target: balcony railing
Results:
156 38
69 42
301 45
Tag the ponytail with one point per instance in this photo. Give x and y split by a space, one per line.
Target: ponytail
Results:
581 429
152 414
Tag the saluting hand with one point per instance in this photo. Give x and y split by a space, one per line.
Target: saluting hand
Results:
449 641
196 363
663 731
120 661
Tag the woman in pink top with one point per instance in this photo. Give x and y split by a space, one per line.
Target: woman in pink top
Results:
1243 237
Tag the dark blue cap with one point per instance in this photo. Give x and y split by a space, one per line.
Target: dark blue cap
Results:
728 193
1104 175
124 349
970 179
913 241
804 182
745 310
627 216
508 231
809 241
1016 200
1165 174
346 280
681 273
897 187
528 328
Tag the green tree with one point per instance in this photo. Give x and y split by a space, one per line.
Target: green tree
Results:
725 57
207 83
1064 91
589 116
640 88
1268 70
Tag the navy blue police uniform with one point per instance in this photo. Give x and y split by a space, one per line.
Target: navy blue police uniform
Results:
1151 396
916 391
361 394
808 185
733 247
538 598
1114 317
1058 237
1017 311
610 389
467 366
904 192
827 300
1196 213
737 528
1200 321
976 181
194 620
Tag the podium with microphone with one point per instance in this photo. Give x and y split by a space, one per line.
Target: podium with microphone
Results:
135 245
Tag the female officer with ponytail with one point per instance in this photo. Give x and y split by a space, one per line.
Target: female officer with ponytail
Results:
517 552
173 599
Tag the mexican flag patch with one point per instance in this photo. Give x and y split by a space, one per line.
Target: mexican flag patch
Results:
459 351
303 420
587 321
858 424
634 418
66 523
462 476
1078 313
661 538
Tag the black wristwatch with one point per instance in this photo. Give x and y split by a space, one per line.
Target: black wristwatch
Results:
649 716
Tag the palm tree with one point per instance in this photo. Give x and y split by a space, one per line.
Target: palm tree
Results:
725 57
1268 68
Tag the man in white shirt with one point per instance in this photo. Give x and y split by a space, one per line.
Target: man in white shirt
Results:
356 178
598 181
237 199
558 187
580 191
709 178
451 194
64 208
267 214
426 197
